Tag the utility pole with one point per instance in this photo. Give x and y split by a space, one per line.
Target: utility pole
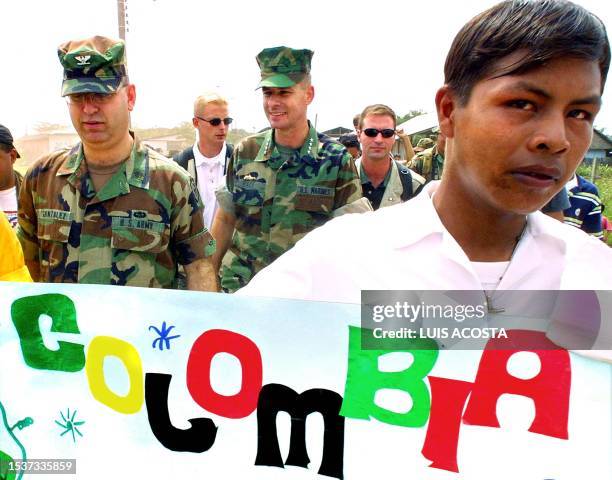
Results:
122 18
122 23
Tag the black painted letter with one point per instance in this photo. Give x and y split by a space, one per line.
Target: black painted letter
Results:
199 438
274 398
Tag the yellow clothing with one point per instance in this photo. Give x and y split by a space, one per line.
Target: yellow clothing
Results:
12 266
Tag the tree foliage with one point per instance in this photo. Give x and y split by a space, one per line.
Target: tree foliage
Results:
183 129
187 132
409 115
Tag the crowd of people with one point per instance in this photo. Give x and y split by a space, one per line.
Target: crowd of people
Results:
522 86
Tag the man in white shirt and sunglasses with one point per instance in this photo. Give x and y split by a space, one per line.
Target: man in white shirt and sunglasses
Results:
207 159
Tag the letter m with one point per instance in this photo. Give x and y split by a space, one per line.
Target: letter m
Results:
274 398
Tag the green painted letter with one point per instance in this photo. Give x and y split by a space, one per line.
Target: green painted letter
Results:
364 379
25 312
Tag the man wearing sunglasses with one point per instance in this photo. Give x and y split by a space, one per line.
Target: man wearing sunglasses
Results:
284 182
207 159
110 210
384 181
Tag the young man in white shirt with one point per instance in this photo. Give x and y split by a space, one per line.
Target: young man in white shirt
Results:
207 159
523 84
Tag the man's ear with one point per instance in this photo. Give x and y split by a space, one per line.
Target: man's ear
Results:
446 106
131 95
310 93
13 154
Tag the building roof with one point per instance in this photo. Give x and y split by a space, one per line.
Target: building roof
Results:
600 141
50 133
336 132
166 138
420 123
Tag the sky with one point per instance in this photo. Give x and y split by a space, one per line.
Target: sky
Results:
366 52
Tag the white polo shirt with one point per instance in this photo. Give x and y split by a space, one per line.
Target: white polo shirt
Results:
406 247
210 177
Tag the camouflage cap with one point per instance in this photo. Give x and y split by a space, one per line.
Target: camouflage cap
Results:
283 67
425 143
95 65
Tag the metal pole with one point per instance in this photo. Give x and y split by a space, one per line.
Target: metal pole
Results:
121 24
593 170
121 18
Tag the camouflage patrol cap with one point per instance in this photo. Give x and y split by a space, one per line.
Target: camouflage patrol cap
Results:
425 143
283 67
95 65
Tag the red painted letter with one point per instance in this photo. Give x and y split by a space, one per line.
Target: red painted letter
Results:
550 389
198 373
448 398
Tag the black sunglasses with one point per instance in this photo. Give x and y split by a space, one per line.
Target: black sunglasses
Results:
215 122
373 132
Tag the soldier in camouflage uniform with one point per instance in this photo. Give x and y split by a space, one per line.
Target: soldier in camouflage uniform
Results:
423 144
284 182
110 210
429 163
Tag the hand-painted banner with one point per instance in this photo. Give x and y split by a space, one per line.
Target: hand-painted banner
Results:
144 383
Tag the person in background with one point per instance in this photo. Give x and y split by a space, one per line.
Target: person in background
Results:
12 266
557 204
430 161
384 180
351 143
10 179
207 159
585 209
606 225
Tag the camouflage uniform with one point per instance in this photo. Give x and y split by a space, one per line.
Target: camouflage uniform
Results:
428 163
276 203
144 220
276 194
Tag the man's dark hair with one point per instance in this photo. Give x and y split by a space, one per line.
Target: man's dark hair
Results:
5 148
545 29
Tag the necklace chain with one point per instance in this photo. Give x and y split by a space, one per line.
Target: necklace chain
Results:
489 297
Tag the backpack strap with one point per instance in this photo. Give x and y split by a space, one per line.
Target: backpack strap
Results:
229 150
406 179
186 160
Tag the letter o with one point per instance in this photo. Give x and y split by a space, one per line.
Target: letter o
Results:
198 373
101 347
